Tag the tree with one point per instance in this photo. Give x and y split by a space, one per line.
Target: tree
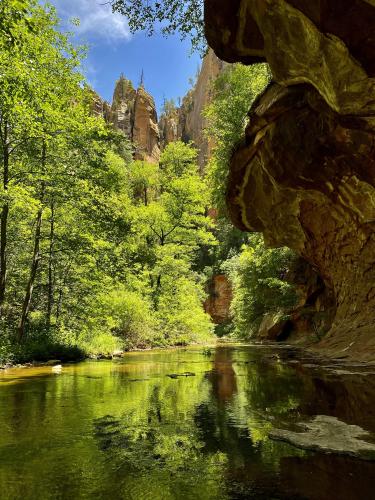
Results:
233 93
171 16
96 250
175 223
259 282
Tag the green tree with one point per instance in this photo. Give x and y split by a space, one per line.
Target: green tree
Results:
96 250
259 282
233 93
185 18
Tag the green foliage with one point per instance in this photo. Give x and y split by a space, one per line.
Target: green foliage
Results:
257 274
259 285
233 93
185 18
127 315
93 246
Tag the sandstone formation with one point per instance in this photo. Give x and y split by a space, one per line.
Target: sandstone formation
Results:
304 174
187 123
134 113
219 299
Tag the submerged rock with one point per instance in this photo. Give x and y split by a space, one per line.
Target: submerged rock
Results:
329 435
177 375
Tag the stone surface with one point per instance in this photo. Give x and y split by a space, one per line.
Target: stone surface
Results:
186 122
123 106
133 112
329 435
272 326
220 297
145 129
304 174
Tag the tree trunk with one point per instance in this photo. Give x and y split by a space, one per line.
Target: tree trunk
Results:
50 266
61 295
4 221
33 271
35 260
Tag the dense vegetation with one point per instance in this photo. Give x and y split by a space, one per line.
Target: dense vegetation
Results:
97 252
257 274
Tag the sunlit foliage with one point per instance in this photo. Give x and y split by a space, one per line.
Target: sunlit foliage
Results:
166 16
96 250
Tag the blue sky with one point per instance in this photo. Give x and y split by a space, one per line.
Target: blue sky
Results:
166 62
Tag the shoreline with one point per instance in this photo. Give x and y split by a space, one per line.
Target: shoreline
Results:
100 357
294 353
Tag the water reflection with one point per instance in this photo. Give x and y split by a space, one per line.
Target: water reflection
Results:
128 429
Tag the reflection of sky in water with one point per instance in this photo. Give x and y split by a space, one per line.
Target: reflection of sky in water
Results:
125 429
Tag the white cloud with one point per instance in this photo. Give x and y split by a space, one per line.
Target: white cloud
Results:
96 19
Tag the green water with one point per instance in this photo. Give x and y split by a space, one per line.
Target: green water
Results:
127 429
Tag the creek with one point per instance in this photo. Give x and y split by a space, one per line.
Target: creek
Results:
189 423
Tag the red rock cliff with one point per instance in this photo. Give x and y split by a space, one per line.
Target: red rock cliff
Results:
305 172
219 299
187 123
134 113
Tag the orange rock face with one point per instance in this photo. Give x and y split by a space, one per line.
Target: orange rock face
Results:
134 113
220 297
304 174
145 128
187 122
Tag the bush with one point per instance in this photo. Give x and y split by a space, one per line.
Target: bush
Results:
182 319
126 315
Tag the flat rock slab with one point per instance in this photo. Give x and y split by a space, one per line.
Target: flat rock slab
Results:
329 435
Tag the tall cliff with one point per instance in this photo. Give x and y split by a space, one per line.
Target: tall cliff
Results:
133 112
305 172
187 123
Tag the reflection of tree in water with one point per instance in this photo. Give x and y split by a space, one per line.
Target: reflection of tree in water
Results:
246 398
157 443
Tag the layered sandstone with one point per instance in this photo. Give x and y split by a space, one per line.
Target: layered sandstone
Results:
187 123
133 112
305 173
219 299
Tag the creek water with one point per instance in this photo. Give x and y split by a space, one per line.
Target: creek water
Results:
179 424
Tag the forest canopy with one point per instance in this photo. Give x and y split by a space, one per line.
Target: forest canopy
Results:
97 251
100 252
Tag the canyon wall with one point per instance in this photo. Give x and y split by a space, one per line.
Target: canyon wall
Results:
217 304
133 112
304 174
187 122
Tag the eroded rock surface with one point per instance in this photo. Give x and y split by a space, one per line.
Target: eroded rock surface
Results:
329 435
219 299
133 112
305 172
